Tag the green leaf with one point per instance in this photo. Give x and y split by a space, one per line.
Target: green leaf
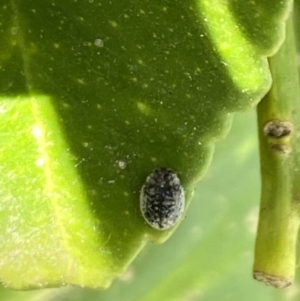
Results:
210 256
94 95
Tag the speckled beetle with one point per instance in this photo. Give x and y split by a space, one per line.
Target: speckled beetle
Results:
162 199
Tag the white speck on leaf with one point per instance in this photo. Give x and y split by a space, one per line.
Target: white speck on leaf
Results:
37 131
40 162
121 164
98 43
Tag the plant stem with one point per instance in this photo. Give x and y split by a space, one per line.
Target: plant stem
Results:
279 128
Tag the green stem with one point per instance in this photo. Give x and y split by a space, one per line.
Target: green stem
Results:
279 128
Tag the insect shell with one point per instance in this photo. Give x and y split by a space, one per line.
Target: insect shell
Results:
162 199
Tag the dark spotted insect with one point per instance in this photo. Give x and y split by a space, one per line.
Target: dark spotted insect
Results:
162 199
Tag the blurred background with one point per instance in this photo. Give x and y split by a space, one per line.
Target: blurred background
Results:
210 256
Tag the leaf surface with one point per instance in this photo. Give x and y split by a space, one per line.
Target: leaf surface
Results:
94 95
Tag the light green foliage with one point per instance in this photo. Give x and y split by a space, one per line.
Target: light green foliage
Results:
96 94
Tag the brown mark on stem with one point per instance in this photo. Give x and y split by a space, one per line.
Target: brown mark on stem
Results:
278 134
275 281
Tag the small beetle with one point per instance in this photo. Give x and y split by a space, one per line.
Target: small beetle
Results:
162 199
